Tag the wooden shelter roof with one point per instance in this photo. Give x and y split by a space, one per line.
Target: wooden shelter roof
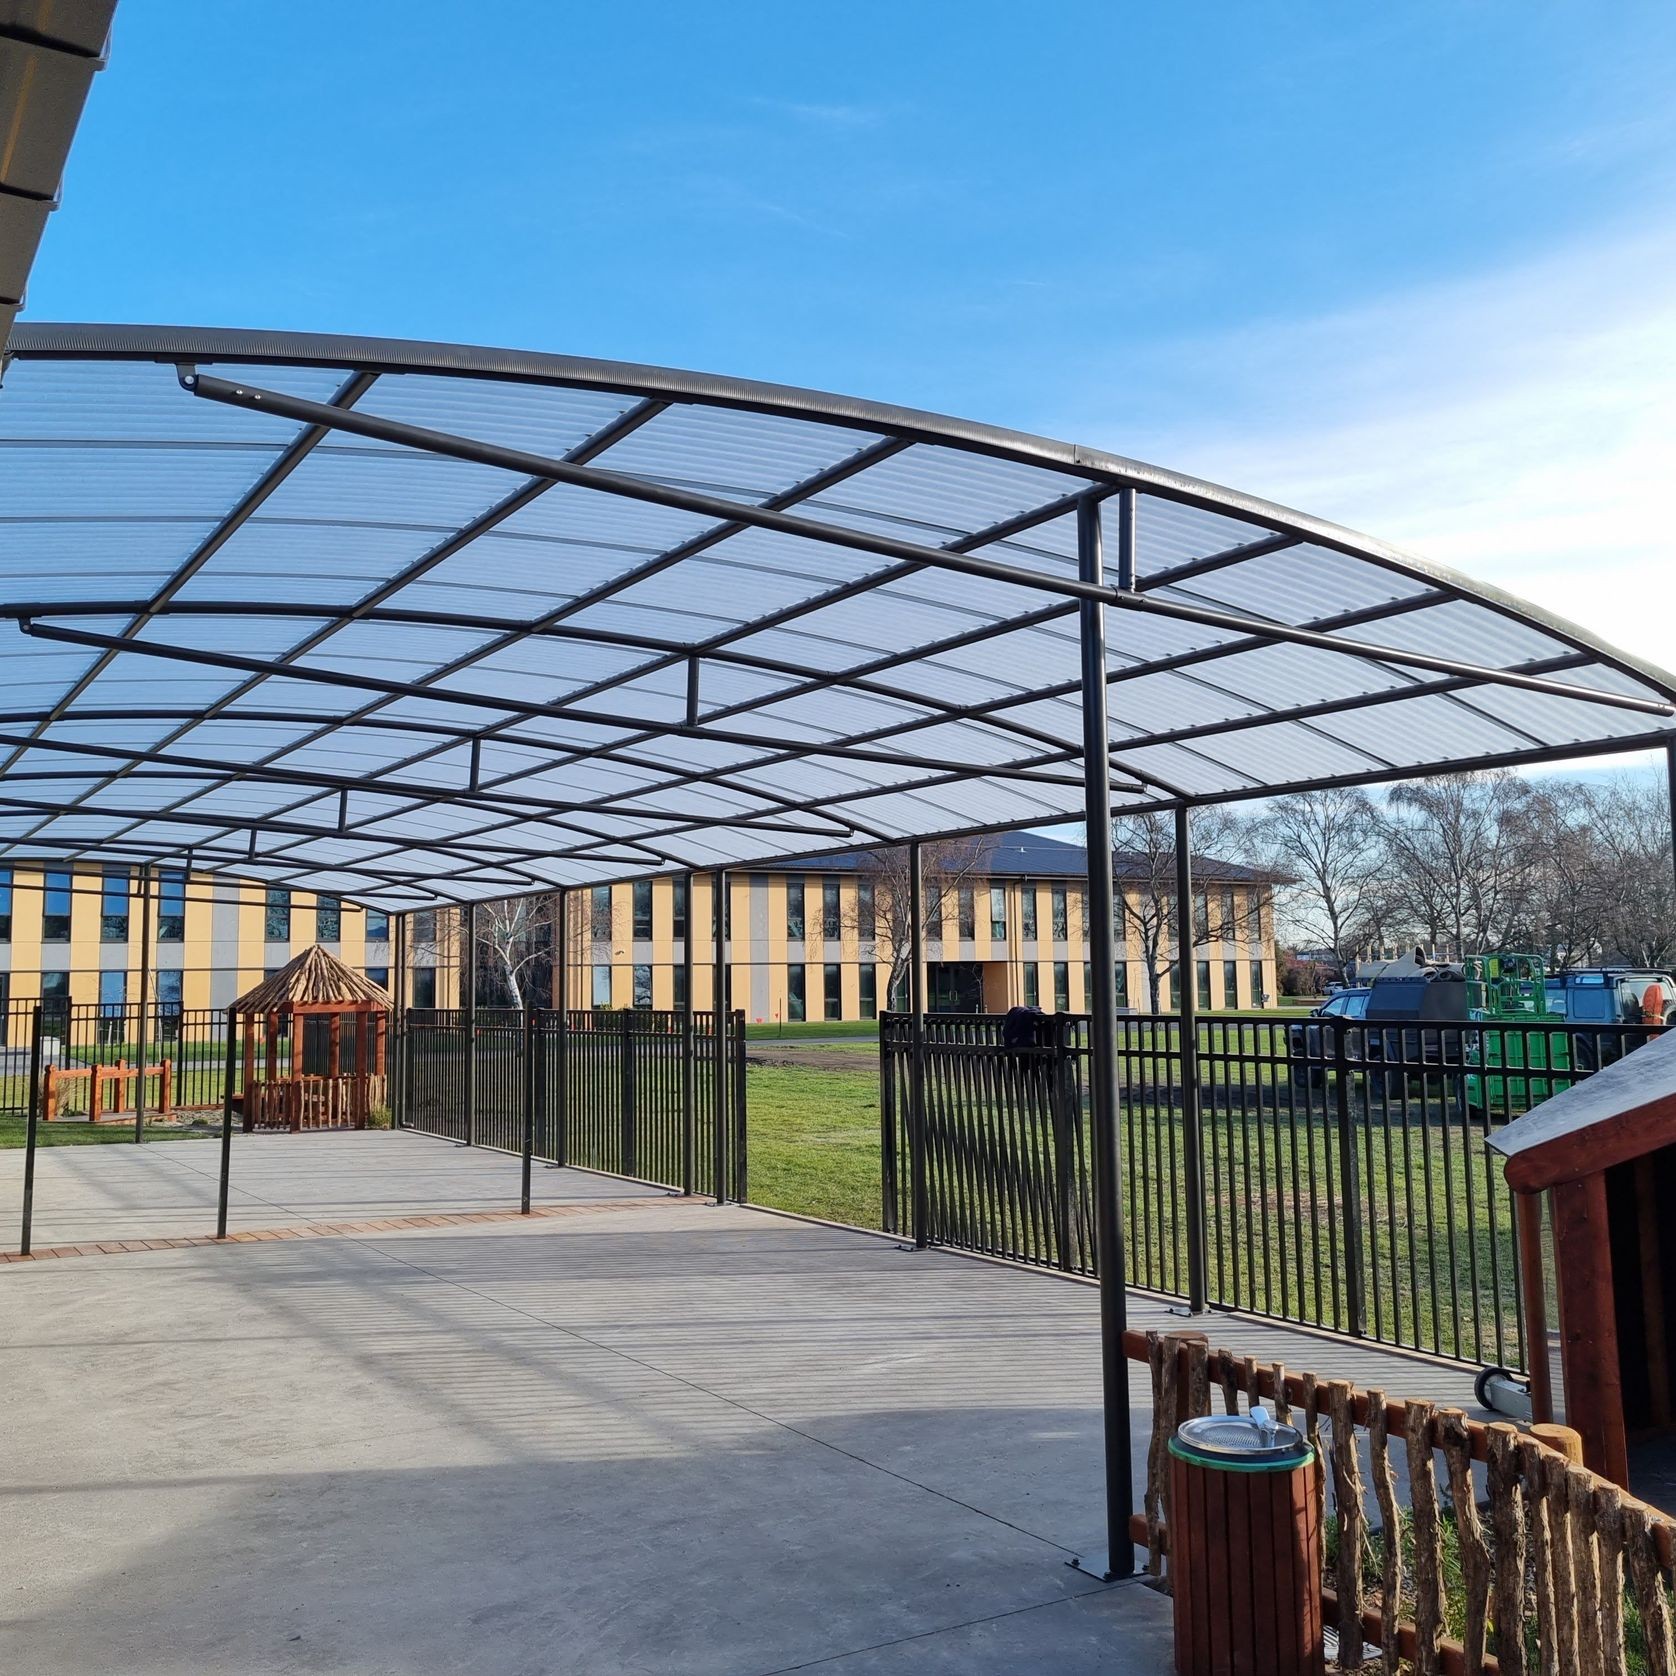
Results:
314 979
1624 1111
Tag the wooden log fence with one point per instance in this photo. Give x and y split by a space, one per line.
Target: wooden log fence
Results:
110 1089
1555 1572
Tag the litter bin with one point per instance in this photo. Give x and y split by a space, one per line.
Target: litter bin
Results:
1244 1535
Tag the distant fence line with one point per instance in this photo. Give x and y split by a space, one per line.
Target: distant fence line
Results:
604 1091
1335 1175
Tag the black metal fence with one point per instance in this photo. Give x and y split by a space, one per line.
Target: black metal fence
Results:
606 1091
1342 1176
183 1051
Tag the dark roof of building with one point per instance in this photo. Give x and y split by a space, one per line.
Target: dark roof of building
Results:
1031 855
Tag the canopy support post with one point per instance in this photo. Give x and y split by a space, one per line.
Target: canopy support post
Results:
227 1071
1187 1017
1119 1558
396 1052
1670 782
470 1000
145 993
718 1103
918 1185
689 1067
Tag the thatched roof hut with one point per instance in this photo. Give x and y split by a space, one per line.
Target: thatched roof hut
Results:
314 982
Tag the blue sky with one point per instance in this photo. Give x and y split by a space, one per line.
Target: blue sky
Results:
1407 266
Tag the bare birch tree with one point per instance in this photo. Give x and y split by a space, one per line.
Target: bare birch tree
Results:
880 912
1332 845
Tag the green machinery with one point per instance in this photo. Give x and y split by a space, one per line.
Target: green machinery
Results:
1512 989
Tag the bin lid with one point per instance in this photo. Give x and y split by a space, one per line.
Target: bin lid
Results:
1241 1443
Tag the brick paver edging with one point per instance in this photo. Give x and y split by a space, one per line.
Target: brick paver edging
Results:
325 1230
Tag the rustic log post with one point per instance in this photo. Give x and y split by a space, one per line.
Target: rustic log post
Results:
1385 1493
1198 1375
1428 1539
1352 1522
1609 1527
1647 1582
1162 1355
1469 1533
1228 1372
1282 1407
1532 1459
1507 1525
1591 1660
1557 1501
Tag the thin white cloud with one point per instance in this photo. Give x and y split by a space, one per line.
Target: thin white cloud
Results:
1520 426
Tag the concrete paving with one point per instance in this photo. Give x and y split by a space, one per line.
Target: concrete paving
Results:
664 1438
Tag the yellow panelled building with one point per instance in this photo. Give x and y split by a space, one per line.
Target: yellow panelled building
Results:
81 936
798 947
798 950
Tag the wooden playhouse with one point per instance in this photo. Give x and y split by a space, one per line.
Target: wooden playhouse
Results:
316 1046
1593 1171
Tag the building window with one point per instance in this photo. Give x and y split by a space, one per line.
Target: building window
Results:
794 910
869 990
599 913
424 931
723 902
5 904
1171 995
1032 986
997 914
328 919
169 995
1258 997
424 986
678 912
1230 983
378 926
1230 924
642 988
933 914
113 992
1201 916
795 999
1120 983
832 991
866 911
1201 982
1061 915
55 1001
113 906
1061 987
1027 914
55 911
602 986
171 907
643 910
379 975
967 908
900 997
276 925
831 920
678 989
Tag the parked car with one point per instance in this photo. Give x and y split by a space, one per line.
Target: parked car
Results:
1308 1044
1608 995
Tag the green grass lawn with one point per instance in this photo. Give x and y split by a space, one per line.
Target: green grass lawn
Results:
820 1029
814 1142
14 1132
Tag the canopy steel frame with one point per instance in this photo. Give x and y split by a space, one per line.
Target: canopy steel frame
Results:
617 788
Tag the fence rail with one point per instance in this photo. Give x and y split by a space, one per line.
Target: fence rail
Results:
606 1091
1550 1568
1344 1181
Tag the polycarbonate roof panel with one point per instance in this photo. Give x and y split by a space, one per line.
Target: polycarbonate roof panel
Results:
444 623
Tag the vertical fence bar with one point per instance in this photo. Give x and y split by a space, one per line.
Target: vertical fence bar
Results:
1192 1112
918 1187
228 1067
1350 1196
532 1082
31 1132
470 1001
145 988
718 1107
741 1175
1670 786
561 1111
397 1052
689 1069
1102 1026
628 1096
